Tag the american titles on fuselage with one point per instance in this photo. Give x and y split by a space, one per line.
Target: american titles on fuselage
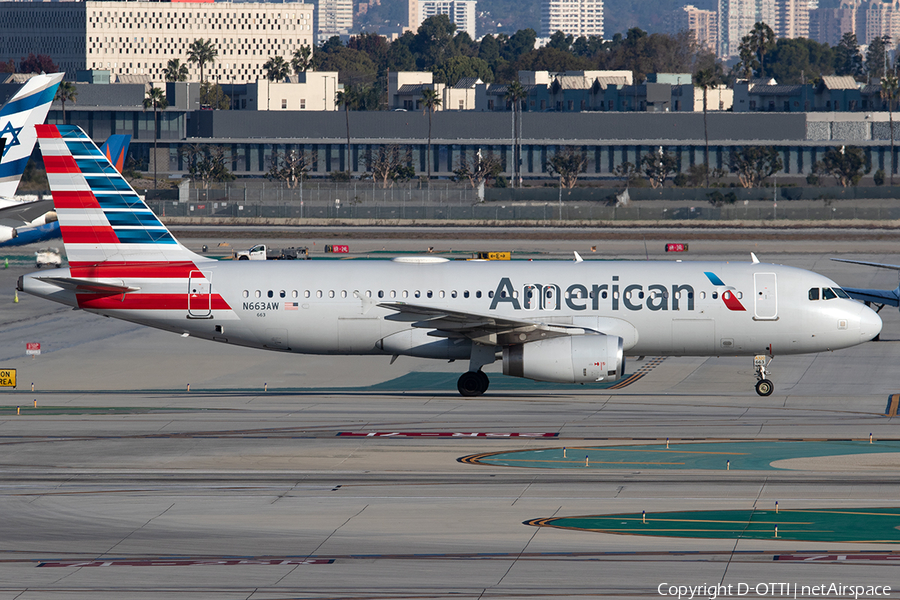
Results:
578 296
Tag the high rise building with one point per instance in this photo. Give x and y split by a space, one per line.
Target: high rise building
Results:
791 19
461 13
703 24
333 18
828 25
139 38
572 17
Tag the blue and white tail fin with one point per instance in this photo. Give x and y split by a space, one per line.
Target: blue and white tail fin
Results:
18 117
101 217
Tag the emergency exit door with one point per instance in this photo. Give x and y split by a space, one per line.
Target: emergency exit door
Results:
199 295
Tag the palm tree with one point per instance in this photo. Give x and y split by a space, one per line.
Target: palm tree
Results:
156 100
889 87
762 39
431 101
706 78
175 71
277 68
347 97
301 60
66 92
515 93
201 52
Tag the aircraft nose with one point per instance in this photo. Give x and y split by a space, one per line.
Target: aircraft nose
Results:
869 324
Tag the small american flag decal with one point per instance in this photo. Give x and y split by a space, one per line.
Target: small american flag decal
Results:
291 305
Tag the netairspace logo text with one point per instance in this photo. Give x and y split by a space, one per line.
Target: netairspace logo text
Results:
773 590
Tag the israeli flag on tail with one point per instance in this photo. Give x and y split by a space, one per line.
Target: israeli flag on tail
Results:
101 217
18 117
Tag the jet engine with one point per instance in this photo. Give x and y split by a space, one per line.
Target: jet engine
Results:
572 359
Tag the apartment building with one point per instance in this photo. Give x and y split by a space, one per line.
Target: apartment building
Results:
703 24
461 13
572 17
139 38
333 18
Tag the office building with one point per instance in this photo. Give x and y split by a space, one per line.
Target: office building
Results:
140 38
703 24
333 18
737 18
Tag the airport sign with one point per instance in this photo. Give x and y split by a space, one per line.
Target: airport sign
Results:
32 349
8 378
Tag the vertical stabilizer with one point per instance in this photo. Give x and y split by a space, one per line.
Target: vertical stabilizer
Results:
101 217
18 117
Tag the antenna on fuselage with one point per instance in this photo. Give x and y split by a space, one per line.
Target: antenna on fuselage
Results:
578 257
753 259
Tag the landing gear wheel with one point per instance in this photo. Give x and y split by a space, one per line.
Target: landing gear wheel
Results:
485 382
764 387
472 383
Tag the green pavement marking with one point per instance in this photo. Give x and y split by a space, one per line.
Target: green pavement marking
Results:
27 410
430 381
870 525
738 456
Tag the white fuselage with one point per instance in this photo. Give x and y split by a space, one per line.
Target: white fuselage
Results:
332 307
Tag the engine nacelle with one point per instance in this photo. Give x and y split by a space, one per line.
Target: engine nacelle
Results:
571 359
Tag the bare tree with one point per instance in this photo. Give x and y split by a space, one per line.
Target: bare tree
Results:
567 164
389 164
291 167
478 169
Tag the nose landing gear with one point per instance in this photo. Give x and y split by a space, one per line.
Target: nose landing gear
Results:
764 387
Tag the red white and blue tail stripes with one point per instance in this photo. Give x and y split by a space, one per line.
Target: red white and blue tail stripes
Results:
101 217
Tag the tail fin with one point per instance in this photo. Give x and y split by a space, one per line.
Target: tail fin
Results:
27 108
115 148
101 217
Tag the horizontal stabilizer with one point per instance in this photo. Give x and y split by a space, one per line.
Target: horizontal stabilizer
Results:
86 286
24 213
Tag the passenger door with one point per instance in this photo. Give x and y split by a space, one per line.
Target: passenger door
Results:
199 295
765 300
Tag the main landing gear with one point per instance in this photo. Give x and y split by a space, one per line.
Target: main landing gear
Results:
764 387
473 383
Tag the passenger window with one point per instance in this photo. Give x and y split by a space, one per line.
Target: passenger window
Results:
319 294
703 295
246 293
393 294
417 294
491 294
715 295
306 293
604 295
429 293
381 293
343 293
641 295
466 294
294 294
258 293
503 294
368 293
740 295
282 293
841 293
405 294
813 293
827 294
331 293
478 294
270 294
453 294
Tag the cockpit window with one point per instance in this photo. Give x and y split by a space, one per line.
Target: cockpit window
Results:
813 293
828 294
841 293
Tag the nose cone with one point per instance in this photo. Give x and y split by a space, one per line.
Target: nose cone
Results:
869 324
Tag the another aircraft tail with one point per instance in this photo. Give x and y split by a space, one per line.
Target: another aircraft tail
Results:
18 117
115 148
101 217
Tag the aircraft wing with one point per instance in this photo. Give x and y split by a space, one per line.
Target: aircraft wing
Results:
868 264
18 215
888 297
484 329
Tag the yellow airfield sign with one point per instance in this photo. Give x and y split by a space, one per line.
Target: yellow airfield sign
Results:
8 378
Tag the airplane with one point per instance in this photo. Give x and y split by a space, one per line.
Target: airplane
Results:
554 321
24 223
27 107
